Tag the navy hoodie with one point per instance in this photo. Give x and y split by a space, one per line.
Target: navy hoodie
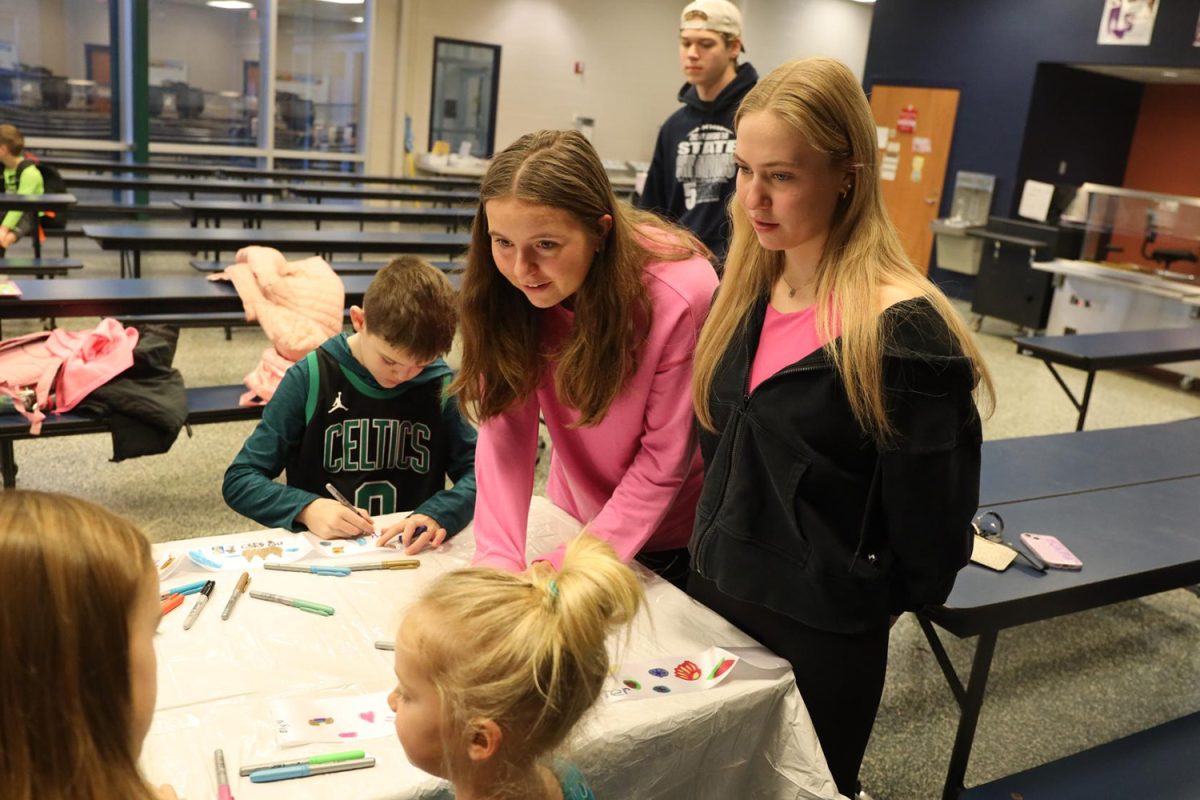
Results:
692 173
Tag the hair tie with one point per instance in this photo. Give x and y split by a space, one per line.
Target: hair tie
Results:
554 589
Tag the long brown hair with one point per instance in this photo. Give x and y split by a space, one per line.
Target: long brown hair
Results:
822 101
70 573
503 354
527 651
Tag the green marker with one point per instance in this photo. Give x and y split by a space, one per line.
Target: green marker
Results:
295 602
328 758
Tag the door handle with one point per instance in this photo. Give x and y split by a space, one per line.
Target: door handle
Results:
929 201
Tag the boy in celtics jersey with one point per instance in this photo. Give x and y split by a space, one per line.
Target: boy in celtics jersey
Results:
368 413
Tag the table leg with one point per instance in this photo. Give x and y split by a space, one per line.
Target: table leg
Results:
8 463
137 263
970 703
1087 398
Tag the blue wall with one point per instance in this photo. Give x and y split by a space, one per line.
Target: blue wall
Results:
990 50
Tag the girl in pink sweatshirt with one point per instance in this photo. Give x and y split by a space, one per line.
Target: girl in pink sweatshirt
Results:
585 312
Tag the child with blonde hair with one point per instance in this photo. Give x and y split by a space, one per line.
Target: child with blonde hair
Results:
79 607
494 669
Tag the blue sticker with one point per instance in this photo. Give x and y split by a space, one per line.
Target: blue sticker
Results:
659 672
662 689
203 560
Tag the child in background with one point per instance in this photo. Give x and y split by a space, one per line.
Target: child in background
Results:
79 607
367 413
17 180
494 669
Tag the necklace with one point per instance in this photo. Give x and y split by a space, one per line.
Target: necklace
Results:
791 289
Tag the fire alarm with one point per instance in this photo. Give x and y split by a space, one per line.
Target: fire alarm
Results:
578 67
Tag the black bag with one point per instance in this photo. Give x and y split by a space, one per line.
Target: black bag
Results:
52 183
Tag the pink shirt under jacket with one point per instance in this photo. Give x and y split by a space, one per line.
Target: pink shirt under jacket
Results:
635 477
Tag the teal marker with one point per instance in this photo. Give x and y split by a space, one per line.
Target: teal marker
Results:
187 588
328 758
308 770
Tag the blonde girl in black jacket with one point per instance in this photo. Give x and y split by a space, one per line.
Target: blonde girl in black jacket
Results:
834 388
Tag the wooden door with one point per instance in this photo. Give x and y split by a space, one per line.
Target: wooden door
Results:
920 128
99 69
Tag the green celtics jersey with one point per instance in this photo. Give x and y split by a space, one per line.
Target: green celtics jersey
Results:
384 449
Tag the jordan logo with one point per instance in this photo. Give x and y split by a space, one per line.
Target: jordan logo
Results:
337 404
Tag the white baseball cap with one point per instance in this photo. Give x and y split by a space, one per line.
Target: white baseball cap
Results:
712 15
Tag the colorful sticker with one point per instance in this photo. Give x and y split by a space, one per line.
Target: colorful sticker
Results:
722 668
662 689
631 683
321 721
659 672
687 671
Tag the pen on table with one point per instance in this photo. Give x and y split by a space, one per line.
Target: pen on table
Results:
337 572
238 591
201 602
403 563
172 602
328 758
306 770
223 792
385 645
294 602
341 498
187 588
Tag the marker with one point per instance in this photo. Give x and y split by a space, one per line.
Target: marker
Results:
187 588
329 487
385 645
303 605
238 591
172 602
404 563
223 792
337 572
328 758
307 770
201 602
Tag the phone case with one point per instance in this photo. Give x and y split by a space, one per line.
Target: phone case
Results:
1050 550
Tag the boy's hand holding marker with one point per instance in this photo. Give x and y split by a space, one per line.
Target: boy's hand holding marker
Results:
336 518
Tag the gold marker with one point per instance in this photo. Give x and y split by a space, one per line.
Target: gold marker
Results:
238 591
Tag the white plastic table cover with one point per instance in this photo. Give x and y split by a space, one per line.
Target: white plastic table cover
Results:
746 738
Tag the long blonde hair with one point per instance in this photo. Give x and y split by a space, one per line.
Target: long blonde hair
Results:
822 101
526 651
503 355
70 573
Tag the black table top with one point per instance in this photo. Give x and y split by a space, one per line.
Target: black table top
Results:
110 297
317 175
1133 541
1093 351
189 186
363 193
324 211
141 237
1033 467
36 202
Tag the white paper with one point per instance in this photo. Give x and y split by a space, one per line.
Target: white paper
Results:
666 676
881 135
166 562
308 720
249 552
358 546
922 144
1035 201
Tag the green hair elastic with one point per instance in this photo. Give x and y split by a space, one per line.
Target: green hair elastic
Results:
554 589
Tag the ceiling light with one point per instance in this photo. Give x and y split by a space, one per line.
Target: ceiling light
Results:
345 2
870 2
359 20
230 5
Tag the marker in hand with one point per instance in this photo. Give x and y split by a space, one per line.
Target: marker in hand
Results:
329 487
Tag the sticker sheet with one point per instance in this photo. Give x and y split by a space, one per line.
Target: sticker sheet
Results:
238 556
358 546
338 720
166 563
666 676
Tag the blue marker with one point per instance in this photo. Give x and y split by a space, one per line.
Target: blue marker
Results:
337 572
308 770
189 588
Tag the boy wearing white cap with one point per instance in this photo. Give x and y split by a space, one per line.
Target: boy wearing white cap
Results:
692 173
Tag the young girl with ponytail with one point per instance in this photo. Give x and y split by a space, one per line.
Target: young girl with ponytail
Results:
494 669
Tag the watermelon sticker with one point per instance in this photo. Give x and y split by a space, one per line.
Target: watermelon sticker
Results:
722 668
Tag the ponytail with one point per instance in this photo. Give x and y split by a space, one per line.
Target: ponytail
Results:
527 651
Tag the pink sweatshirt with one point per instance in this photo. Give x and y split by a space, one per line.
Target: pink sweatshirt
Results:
635 477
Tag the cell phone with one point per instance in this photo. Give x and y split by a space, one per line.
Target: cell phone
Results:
1050 550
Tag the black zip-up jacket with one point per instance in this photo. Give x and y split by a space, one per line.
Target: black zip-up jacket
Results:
802 512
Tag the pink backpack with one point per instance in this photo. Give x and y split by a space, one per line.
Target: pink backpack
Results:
52 371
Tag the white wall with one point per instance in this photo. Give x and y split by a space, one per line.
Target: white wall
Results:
777 31
631 65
